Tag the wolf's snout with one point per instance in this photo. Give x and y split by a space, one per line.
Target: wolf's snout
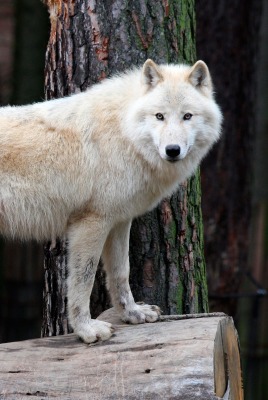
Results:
173 151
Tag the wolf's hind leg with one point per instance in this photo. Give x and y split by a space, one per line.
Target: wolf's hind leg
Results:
86 239
116 264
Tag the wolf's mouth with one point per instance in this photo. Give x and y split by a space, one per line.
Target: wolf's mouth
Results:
173 159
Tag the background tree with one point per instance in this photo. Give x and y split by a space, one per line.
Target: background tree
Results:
24 29
225 41
235 209
89 41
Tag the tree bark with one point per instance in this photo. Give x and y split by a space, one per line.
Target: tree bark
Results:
89 41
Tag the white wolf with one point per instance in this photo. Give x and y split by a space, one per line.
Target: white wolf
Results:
84 166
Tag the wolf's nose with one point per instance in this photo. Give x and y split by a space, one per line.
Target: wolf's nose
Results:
173 150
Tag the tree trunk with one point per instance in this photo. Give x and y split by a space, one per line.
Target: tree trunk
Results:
89 41
227 39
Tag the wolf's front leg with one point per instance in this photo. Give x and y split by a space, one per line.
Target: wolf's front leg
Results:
116 264
86 239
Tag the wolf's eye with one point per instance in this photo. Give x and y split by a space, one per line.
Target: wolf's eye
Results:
187 116
160 116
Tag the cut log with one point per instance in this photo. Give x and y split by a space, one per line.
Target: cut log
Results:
179 357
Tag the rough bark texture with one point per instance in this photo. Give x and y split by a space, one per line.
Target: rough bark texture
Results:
227 39
89 41
167 264
55 291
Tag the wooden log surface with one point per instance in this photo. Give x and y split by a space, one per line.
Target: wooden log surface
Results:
176 358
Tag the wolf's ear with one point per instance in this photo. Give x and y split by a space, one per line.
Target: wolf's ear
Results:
199 77
151 74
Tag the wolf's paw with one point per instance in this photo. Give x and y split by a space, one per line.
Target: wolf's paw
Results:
141 313
94 330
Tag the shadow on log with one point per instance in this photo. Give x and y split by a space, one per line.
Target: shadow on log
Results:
179 357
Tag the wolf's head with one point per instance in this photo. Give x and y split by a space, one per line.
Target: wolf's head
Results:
177 111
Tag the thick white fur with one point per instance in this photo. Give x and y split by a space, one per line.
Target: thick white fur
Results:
84 166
